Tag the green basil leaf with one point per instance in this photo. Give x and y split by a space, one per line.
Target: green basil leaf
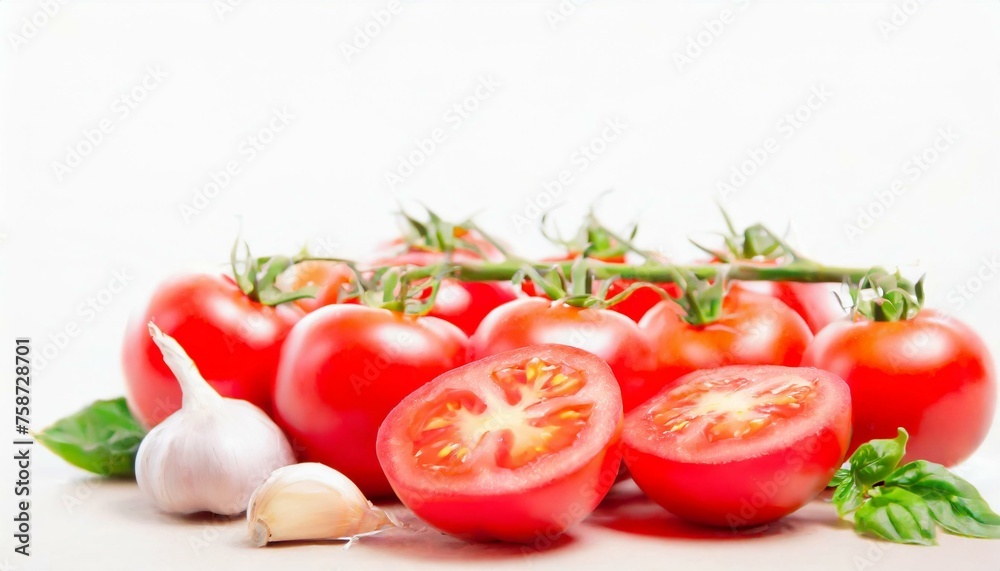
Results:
896 515
955 503
847 497
838 477
102 438
873 461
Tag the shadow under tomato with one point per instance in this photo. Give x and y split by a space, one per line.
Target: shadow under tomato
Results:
627 510
434 545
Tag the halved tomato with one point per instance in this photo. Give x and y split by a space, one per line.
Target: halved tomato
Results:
741 445
517 446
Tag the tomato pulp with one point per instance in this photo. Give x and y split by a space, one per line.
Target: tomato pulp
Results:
233 340
739 446
931 375
754 329
343 368
515 447
607 334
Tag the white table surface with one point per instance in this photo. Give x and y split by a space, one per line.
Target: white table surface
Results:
83 522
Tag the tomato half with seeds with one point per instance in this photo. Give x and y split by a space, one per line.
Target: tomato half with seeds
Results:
515 447
739 446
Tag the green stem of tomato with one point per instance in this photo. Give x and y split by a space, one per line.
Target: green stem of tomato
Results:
794 272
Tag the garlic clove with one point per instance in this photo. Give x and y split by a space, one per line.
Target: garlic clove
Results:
212 453
311 501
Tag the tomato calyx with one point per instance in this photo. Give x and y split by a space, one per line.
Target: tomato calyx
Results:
577 289
393 288
754 243
880 296
256 276
592 240
438 235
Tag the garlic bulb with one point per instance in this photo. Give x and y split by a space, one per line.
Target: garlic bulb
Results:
311 501
210 454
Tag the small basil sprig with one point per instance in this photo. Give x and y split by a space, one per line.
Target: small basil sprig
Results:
906 504
102 438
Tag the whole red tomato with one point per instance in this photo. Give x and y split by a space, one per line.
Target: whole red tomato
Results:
464 304
816 303
753 329
233 340
343 368
535 321
330 279
930 374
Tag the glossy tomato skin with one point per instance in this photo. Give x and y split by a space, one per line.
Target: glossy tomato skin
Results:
816 303
329 279
640 301
343 368
931 375
554 494
609 335
743 489
234 341
754 329
464 304
535 515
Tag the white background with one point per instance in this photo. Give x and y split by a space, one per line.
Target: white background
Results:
890 89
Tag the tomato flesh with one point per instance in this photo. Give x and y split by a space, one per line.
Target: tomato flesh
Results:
514 447
739 446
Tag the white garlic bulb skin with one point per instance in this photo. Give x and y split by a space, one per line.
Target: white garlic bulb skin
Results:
212 453
311 501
